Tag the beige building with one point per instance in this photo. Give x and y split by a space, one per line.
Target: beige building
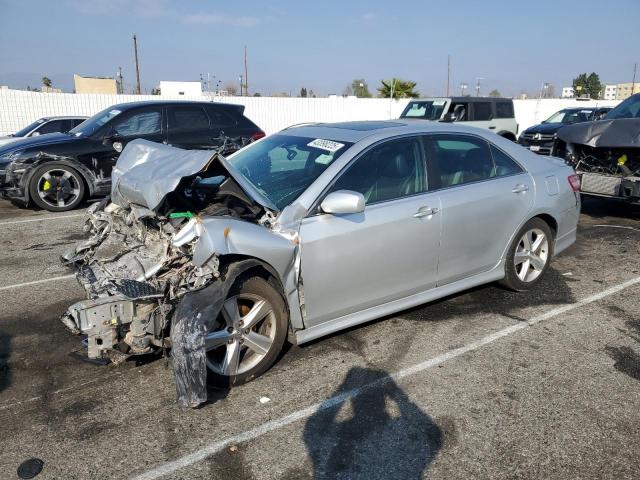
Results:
625 90
95 85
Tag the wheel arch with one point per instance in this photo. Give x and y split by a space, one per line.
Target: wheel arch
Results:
86 175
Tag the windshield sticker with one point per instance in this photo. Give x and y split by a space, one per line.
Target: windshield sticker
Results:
439 103
586 111
324 159
328 145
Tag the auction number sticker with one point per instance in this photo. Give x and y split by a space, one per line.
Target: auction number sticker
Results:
328 145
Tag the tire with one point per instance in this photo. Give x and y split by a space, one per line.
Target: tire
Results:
522 270
271 323
56 187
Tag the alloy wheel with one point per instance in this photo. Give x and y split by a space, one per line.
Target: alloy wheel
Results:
58 187
243 338
531 255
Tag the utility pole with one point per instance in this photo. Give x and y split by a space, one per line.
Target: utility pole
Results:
448 72
246 74
633 84
135 51
463 87
478 86
241 85
119 81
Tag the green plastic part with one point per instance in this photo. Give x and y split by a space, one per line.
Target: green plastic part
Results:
182 215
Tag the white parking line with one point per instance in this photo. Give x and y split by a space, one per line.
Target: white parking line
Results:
36 282
41 219
213 448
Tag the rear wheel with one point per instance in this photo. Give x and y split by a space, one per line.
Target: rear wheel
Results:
56 187
248 335
529 255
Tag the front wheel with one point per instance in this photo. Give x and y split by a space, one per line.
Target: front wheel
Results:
248 335
528 256
56 187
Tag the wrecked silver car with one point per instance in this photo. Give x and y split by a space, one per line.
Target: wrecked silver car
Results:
303 233
606 153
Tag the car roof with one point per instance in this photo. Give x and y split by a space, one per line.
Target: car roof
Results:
354 132
464 99
65 117
145 103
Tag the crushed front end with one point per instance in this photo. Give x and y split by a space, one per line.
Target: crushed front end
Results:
133 271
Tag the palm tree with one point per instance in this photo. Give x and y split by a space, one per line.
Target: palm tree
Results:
399 88
46 81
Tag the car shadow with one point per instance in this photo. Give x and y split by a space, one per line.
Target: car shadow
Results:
5 369
369 429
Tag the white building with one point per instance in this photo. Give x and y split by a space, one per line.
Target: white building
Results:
610 92
567 92
188 89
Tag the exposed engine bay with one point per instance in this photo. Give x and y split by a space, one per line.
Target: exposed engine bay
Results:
607 155
157 239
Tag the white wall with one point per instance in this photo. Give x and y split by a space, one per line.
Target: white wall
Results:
19 108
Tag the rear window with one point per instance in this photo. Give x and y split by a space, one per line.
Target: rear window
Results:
188 118
220 118
482 111
504 110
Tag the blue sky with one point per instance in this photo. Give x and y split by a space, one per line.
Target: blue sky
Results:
513 45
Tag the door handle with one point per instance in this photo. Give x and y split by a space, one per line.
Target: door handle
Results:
520 188
425 212
492 128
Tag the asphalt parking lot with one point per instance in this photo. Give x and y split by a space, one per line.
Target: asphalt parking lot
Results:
485 384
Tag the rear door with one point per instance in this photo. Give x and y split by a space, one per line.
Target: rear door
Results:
485 195
189 127
481 115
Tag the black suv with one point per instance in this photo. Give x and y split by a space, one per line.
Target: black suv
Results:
540 138
58 170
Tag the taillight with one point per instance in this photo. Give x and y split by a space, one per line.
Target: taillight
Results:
258 135
575 182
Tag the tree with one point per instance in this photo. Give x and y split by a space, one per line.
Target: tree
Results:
360 88
155 91
347 92
589 85
494 93
303 92
400 88
46 81
257 94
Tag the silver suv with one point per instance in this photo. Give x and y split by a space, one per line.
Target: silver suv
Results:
494 114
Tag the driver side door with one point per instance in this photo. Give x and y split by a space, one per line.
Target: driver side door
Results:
351 262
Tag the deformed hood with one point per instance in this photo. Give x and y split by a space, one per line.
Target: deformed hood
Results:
146 172
619 133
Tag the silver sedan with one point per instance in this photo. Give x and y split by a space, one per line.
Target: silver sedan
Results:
311 230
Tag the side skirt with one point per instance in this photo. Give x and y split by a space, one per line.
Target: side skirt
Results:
346 321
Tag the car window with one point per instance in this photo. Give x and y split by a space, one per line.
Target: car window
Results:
392 170
188 118
141 122
51 127
219 118
77 122
482 111
460 159
630 108
504 110
504 164
460 111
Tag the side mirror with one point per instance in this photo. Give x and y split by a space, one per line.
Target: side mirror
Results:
113 140
342 202
34 134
